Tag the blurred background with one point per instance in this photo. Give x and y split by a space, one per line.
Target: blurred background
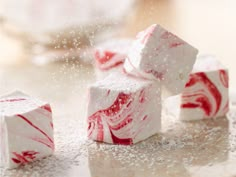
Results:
46 51
40 32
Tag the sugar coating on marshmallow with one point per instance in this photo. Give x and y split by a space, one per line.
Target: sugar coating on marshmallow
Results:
26 129
206 92
206 62
123 110
101 74
111 54
158 54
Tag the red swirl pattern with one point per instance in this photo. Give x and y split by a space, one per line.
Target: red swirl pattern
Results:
47 107
200 98
103 57
28 156
176 44
224 78
24 157
156 74
113 111
117 118
13 100
107 60
35 132
47 141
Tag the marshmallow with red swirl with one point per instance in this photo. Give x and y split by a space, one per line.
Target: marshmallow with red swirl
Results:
110 55
26 129
206 92
123 110
160 55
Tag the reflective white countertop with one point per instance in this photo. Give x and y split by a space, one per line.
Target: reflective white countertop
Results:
203 148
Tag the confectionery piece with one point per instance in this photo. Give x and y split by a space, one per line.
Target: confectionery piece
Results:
110 55
26 129
206 92
123 110
160 55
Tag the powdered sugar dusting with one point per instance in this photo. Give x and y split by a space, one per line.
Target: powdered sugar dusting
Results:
181 145
174 152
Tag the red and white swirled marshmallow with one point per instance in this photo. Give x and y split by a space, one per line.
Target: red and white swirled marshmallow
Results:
123 110
110 55
206 92
26 129
158 54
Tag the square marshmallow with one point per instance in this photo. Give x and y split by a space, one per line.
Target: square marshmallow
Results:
206 92
123 110
158 54
110 55
26 129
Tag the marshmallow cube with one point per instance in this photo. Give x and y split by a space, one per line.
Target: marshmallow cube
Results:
109 56
158 54
123 110
26 130
206 92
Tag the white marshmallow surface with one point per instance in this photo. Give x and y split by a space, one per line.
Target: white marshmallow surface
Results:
123 110
206 93
26 129
160 55
110 55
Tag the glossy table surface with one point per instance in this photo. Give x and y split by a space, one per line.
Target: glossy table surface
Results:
204 148
196 149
